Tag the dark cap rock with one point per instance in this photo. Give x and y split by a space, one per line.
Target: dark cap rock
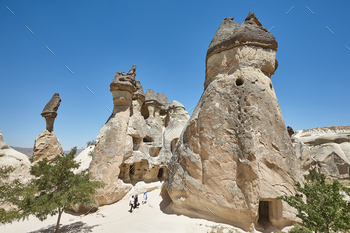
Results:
51 107
231 34
122 81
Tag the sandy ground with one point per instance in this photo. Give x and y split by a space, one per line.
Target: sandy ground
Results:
116 218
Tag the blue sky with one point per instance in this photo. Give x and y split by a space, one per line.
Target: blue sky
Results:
167 40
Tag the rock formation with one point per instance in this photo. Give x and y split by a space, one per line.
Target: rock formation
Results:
47 145
50 111
290 131
131 146
234 156
19 161
325 150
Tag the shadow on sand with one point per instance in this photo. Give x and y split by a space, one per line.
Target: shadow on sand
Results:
71 228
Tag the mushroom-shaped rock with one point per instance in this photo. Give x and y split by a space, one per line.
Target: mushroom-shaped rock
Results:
176 104
50 111
123 86
47 145
151 97
234 156
126 82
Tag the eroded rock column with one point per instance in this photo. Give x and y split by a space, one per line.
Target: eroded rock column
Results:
234 156
47 145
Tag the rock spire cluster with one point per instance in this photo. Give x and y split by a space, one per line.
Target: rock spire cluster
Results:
136 143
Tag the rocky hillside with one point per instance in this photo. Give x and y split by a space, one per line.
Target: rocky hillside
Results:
325 149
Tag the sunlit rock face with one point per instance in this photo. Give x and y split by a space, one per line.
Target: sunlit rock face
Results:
130 147
18 161
325 150
47 145
234 156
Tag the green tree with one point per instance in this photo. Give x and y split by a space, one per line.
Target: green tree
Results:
8 193
53 189
325 210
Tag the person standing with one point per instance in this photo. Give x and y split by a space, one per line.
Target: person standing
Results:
132 201
144 197
136 200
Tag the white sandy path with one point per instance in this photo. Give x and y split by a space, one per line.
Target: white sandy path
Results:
116 218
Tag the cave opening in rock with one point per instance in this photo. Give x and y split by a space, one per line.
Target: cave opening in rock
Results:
147 139
154 151
136 143
239 82
264 216
160 173
144 111
131 171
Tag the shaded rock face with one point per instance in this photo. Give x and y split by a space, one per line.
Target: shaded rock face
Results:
131 147
47 145
325 150
50 111
234 156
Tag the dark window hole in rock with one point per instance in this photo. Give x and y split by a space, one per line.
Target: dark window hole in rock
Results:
239 82
144 111
147 139
136 143
154 151
160 173
271 86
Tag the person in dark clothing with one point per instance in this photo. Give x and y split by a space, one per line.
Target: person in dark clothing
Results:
136 200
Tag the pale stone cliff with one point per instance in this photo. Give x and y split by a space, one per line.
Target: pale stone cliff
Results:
325 150
135 145
19 161
234 156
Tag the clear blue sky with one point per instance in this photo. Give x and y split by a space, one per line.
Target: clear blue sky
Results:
167 40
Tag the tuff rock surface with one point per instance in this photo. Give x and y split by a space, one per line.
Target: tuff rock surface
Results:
132 146
47 145
325 150
19 162
234 156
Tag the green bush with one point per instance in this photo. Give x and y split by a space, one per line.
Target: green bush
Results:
90 143
325 210
299 229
